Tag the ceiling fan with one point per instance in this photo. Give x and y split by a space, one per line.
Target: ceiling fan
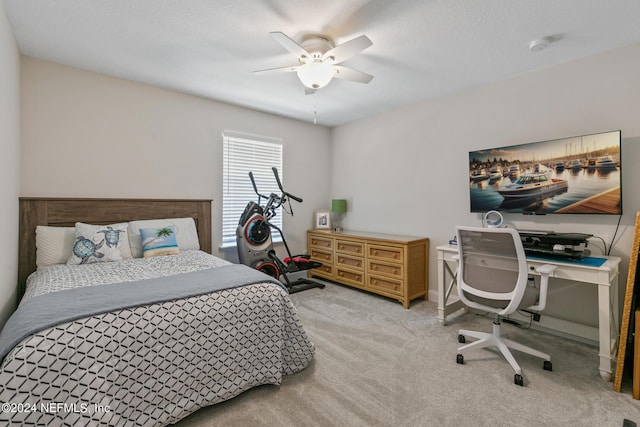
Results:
319 59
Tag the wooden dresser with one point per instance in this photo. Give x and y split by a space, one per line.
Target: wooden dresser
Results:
389 265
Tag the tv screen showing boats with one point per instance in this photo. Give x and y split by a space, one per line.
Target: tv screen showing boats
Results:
576 175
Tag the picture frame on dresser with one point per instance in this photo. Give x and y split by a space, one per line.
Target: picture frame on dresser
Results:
322 219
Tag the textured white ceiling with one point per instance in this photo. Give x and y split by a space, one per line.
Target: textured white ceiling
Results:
422 49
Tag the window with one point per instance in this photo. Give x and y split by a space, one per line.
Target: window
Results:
244 153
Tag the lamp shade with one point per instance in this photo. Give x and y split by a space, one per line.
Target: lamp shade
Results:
338 205
315 75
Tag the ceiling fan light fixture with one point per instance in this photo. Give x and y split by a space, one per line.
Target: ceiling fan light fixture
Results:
319 60
316 74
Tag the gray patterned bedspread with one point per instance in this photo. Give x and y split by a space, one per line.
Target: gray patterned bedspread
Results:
152 364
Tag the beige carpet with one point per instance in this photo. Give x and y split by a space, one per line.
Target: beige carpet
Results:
378 364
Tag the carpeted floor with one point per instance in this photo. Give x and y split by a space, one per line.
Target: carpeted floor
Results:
378 364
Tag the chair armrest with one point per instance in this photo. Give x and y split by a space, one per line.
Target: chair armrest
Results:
544 270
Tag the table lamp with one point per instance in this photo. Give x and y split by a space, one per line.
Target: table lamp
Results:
338 208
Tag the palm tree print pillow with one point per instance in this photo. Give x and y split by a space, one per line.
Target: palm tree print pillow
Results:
159 241
186 233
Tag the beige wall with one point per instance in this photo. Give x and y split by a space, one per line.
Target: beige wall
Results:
9 166
85 134
415 160
88 135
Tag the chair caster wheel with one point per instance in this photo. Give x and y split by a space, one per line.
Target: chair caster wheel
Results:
547 365
517 379
460 359
462 339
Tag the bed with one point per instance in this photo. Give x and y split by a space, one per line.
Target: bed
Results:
142 341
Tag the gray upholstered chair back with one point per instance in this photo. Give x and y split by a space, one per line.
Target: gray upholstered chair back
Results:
492 269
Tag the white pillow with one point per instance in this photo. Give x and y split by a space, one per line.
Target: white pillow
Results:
99 243
186 235
53 245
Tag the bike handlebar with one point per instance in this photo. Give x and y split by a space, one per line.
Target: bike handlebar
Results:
291 196
275 173
255 188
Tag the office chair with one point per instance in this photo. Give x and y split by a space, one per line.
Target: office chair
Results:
492 276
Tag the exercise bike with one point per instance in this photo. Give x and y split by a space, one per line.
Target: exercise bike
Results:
255 245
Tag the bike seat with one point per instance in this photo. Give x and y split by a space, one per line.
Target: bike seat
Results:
302 262
296 258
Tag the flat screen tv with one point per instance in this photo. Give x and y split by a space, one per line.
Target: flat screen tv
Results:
576 175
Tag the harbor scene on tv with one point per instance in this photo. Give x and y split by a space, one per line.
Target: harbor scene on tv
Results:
576 175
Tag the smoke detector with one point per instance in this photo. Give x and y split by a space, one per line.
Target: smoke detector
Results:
540 44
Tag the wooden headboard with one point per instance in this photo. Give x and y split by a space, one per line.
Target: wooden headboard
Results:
65 212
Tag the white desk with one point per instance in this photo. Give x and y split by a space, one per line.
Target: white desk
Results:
605 277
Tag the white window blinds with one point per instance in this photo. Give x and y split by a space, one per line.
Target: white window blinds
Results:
244 153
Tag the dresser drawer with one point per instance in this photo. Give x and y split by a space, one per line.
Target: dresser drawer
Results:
385 284
351 262
386 253
350 247
386 269
321 242
322 256
324 271
352 277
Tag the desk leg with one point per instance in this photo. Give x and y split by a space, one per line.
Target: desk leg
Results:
605 292
442 285
446 274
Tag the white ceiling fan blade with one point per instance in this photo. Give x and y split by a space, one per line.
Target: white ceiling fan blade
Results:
289 44
348 49
277 70
346 73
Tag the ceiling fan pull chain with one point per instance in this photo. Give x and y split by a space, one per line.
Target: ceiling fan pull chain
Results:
315 108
